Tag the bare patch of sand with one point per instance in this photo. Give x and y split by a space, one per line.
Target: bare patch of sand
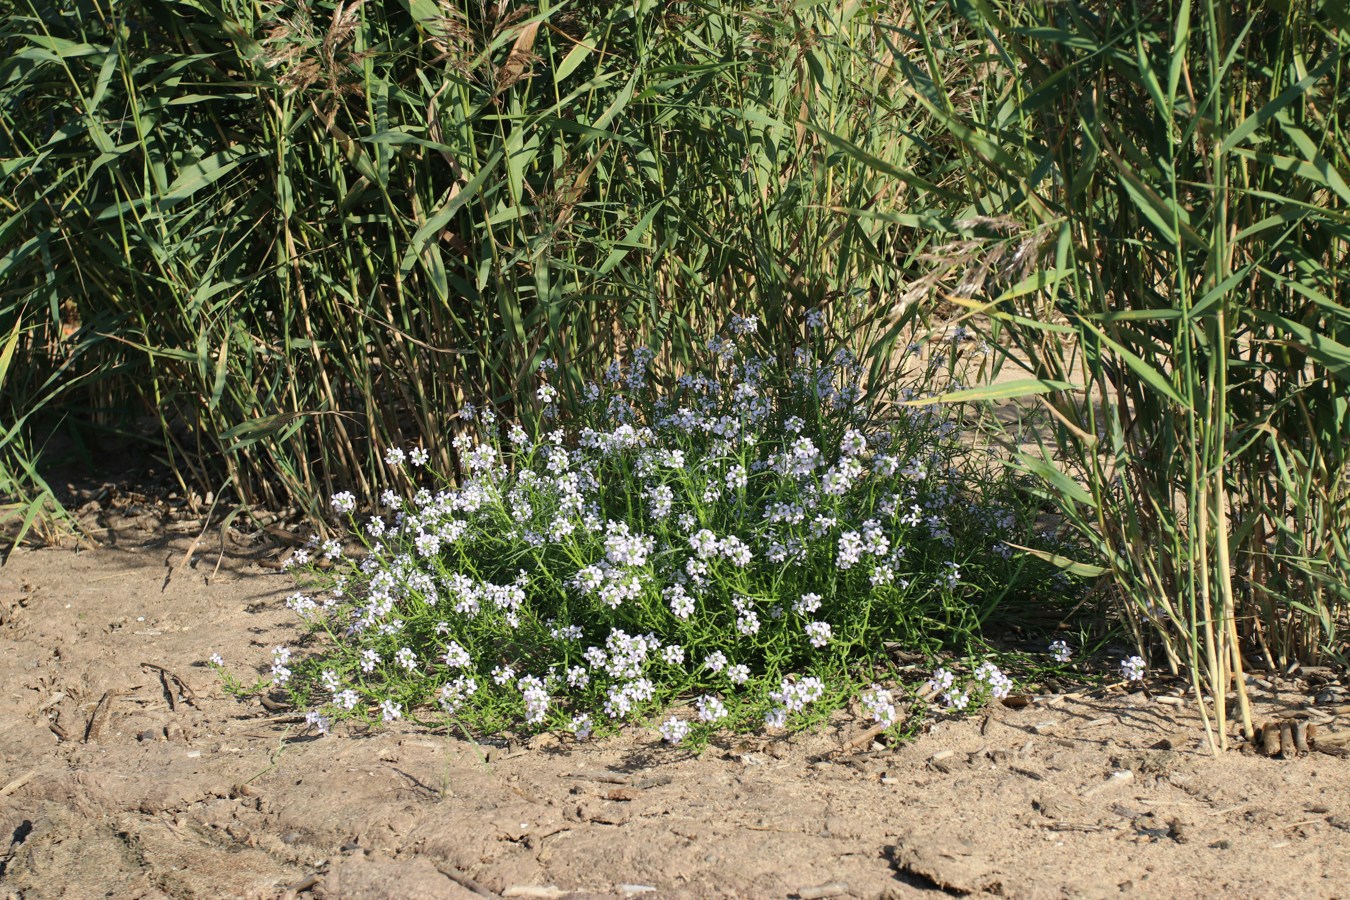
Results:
119 781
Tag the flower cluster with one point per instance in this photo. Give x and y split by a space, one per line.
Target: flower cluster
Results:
735 536
986 683
1060 651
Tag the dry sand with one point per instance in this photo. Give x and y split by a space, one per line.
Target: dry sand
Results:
127 772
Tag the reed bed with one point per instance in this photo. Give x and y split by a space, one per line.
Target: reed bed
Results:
291 235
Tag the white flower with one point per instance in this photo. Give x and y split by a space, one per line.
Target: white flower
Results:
1060 651
536 699
806 604
1000 685
217 659
1132 669
710 708
456 657
736 478
819 633
850 549
704 543
315 719
796 696
580 726
941 681
418 456
369 660
880 704
674 730
738 674
681 604
736 550
347 699
343 501
394 457
673 655
547 393
389 711
715 661
854 443
775 718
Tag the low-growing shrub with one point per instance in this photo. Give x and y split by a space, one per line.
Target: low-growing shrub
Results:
745 537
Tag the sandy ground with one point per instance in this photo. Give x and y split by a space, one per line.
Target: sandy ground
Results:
127 772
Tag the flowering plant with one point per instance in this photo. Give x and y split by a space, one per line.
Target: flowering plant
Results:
742 533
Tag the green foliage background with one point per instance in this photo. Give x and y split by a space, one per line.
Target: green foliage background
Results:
290 234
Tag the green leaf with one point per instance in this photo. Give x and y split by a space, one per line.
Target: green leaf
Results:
1007 390
1063 563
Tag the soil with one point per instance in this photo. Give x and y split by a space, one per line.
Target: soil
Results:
128 772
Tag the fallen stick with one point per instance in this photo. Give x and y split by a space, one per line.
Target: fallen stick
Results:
18 783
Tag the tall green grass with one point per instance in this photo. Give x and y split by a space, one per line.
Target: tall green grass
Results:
296 233
1171 181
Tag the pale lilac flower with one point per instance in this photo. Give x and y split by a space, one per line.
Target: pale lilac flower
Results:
850 549
999 684
1060 651
854 443
1132 669
390 710
674 730
580 726
738 674
775 718
316 720
536 699
941 681
796 696
736 550
710 708
369 660
347 699
715 661
880 704
806 604
681 604
673 655
217 659
456 657
453 694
